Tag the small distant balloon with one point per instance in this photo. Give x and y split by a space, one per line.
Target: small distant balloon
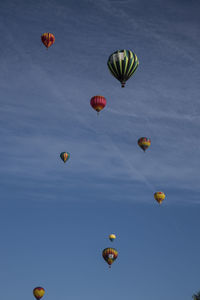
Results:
196 296
112 237
65 156
159 197
48 39
98 103
38 292
122 65
110 255
144 143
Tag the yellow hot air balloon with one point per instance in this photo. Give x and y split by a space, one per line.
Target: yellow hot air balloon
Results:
159 197
112 237
38 292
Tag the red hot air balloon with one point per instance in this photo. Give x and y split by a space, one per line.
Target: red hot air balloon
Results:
48 39
98 103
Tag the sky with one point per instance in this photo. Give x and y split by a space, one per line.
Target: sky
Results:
55 218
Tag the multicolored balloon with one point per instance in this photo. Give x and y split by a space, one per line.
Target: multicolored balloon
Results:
122 65
98 103
196 296
112 237
64 156
38 292
48 39
159 197
110 255
144 143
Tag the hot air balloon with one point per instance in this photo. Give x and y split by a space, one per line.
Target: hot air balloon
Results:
48 39
159 197
64 156
112 237
98 103
38 292
144 143
196 296
122 65
109 254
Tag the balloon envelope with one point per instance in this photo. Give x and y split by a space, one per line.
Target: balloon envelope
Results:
109 255
38 292
64 156
112 237
144 143
98 103
159 197
122 65
48 39
196 296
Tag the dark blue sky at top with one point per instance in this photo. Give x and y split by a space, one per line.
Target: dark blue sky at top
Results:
55 218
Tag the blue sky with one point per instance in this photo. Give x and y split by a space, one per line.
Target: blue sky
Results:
55 217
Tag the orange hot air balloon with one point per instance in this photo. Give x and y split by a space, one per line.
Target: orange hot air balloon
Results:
98 103
48 39
38 292
159 197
